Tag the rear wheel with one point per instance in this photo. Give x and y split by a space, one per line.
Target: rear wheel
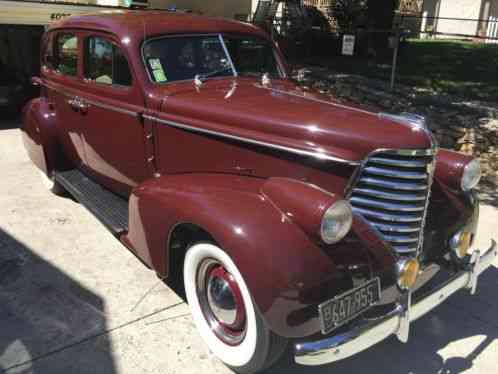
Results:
51 184
224 312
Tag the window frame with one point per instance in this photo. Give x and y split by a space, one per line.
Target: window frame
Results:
278 60
110 39
47 48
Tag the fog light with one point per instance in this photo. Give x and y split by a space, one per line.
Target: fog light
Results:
460 243
407 273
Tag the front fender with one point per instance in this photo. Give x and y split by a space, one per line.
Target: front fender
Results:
285 270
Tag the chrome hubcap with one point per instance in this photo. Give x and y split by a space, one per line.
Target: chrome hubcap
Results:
221 302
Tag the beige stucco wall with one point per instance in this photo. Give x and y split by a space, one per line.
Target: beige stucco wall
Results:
222 8
468 9
463 9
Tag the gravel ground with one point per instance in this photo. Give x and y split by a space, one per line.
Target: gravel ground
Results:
73 300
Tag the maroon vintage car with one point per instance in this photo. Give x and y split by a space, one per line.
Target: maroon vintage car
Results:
286 216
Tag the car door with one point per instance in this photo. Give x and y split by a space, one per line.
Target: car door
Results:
61 72
110 108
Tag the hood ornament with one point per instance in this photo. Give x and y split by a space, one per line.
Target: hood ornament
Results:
405 118
265 79
232 90
198 81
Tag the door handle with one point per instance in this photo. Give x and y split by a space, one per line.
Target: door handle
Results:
83 106
78 104
74 103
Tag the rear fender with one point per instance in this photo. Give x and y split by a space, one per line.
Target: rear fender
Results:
39 133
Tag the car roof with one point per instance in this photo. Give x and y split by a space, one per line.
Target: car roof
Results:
149 23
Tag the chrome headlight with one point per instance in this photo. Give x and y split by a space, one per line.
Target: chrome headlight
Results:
336 222
471 175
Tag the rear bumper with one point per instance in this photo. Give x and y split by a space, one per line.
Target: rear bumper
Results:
397 323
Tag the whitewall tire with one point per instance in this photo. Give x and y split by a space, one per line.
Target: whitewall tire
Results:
224 311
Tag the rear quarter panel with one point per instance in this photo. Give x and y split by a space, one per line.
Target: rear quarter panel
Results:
39 134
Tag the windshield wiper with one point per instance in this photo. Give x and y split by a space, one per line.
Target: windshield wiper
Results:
200 78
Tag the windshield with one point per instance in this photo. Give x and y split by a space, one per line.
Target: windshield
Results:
179 58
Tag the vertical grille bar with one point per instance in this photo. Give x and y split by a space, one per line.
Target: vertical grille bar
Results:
392 192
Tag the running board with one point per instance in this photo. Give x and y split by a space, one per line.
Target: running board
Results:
107 207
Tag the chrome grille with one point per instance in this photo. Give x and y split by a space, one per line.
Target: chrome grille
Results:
391 191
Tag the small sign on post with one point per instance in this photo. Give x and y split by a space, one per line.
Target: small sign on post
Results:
348 42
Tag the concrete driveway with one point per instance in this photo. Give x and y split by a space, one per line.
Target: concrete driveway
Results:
73 300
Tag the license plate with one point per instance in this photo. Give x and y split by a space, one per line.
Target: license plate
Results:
343 308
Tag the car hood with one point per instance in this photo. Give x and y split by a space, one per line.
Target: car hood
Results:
284 115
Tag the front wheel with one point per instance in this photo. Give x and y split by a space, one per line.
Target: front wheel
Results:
224 312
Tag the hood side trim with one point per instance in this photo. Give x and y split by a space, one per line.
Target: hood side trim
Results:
301 152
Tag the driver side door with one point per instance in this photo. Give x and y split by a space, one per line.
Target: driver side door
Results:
111 109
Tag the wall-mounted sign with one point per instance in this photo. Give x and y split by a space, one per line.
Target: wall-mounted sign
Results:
58 16
45 12
348 42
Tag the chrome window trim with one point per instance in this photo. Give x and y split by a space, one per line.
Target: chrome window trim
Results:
234 71
297 151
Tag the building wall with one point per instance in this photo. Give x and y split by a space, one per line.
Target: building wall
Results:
468 9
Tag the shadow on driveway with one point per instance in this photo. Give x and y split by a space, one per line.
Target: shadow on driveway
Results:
463 324
49 323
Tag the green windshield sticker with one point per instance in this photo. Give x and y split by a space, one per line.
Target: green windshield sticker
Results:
157 70
159 75
155 64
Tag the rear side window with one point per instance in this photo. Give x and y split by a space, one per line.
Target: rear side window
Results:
66 54
105 63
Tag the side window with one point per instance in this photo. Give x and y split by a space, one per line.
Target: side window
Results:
66 54
105 63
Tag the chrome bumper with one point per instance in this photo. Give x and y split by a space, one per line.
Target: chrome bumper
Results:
397 323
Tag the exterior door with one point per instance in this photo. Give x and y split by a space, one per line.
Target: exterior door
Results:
110 110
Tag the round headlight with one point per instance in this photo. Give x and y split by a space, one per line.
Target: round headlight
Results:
336 222
471 175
